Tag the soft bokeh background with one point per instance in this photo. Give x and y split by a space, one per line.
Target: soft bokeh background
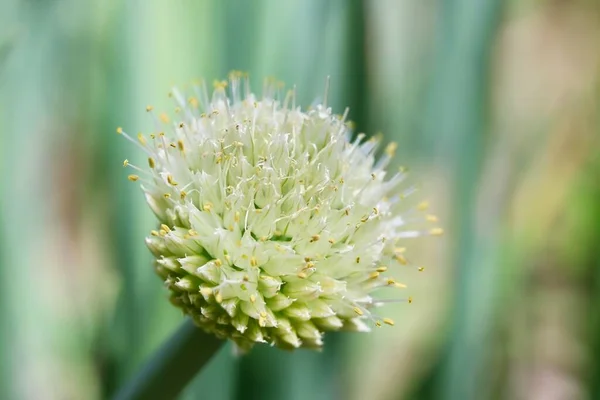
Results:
496 108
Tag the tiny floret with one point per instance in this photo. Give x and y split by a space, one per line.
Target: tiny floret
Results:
274 224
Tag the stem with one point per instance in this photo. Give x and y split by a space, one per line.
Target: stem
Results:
173 365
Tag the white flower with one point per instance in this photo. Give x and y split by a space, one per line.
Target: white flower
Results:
274 226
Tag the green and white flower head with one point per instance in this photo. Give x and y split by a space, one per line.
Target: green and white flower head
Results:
275 226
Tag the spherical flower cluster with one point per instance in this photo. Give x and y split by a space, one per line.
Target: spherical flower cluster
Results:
275 226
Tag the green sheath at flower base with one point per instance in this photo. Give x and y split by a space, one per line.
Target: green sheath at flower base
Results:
274 226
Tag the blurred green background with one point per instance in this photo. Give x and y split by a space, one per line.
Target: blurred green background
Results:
495 105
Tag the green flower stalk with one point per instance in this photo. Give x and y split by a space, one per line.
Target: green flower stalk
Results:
274 225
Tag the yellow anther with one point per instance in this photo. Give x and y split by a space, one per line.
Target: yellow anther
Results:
141 138
431 218
332 241
173 145
193 102
125 162
167 195
302 275
182 194
422 206
400 250
180 145
165 228
171 180
192 232
164 118
162 232
207 206
436 232
391 281
218 297
410 300
378 324
218 85
400 285
388 321
252 298
152 136
149 108
119 130
151 162
383 268
253 261
181 124
373 176
309 264
206 291
390 150
245 278
154 233
401 259
218 262
177 110
314 238
133 178
374 275
421 269
235 74
358 311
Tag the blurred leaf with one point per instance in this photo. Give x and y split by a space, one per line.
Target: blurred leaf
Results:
457 117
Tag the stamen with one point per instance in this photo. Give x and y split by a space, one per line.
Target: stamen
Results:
431 218
436 232
422 206
164 118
